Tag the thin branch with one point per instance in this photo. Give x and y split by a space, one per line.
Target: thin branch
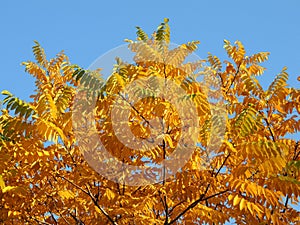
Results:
78 221
52 216
222 165
222 81
171 210
235 75
285 204
95 201
268 125
40 222
195 203
57 211
192 205
72 183
136 190
135 109
295 151
166 210
165 205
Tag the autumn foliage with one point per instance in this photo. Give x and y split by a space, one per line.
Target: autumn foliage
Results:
253 177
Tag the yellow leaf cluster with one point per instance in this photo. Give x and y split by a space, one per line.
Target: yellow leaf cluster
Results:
252 177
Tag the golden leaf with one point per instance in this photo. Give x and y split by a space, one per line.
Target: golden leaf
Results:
110 194
236 200
168 139
243 203
66 194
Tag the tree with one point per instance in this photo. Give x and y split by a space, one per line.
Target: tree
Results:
252 175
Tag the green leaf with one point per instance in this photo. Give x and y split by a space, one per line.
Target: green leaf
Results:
289 179
141 34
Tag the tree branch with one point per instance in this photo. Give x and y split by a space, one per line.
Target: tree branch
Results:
195 203
135 109
235 75
285 204
95 201
78 221
268 125
171 210
295 151
222 165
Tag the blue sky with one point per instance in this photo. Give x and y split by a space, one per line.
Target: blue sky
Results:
87 29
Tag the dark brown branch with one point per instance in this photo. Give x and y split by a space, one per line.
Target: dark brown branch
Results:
52 216
235 75
78 221
72 183
166 208
295 151
268 125
222 81
285 204
192 205
195 203
222 165
135 109
171 210
57 211
40 222
95 200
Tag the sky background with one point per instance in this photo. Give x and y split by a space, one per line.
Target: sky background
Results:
88 29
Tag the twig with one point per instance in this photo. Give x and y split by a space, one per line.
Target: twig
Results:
195 203
222 165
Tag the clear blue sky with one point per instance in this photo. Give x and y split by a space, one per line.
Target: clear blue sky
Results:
87 29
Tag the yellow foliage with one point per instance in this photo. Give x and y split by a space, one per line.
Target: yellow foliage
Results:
252 176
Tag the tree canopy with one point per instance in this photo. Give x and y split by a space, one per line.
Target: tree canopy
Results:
244 164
